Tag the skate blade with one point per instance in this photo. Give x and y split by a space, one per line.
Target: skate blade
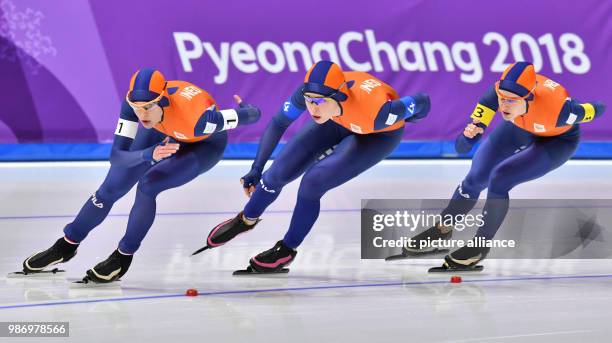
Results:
251 271
87 283
53 273
455 270
416 254
200 250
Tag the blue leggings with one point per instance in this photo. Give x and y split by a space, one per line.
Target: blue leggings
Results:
508 157
190 161
352 155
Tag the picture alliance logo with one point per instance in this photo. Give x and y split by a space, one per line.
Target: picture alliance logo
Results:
462 57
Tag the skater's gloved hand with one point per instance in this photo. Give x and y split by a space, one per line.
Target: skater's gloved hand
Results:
600 108
250 180
247 113
423 105
164 150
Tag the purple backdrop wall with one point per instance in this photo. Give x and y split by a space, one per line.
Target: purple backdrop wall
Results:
65 65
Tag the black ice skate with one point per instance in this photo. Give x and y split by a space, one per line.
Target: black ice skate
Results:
109 270
465 259
225 232
272 261
431 234
60 252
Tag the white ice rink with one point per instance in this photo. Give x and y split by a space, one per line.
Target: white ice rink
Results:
330 295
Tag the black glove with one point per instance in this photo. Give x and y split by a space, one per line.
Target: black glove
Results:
247 114
252 177
423 105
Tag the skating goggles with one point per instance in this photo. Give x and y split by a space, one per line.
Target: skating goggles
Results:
146 106
320 101
512 99
317 101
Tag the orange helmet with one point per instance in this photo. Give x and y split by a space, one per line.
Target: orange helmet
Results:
519 78
326 78
146 85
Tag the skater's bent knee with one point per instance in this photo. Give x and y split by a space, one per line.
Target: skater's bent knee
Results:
501 181
272 182
477 178
474 185
108 194
148 187
313 186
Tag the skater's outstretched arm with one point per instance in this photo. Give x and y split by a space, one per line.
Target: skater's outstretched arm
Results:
576 112
408 108
481 118
214 121
289 112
